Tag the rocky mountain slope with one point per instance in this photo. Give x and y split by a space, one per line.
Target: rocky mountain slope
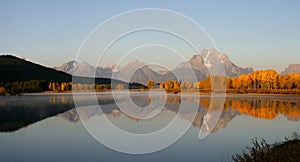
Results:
202 64
292 68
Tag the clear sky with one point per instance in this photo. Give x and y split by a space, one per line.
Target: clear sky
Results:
260 34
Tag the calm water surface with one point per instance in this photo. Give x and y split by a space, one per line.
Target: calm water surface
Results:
48 128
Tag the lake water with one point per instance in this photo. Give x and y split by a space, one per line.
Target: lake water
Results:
48 128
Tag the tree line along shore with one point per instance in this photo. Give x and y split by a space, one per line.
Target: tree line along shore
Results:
262 81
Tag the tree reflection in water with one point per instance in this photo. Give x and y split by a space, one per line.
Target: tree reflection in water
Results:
20 112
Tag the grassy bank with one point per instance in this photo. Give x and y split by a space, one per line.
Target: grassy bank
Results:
261 151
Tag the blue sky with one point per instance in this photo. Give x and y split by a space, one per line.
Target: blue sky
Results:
259 34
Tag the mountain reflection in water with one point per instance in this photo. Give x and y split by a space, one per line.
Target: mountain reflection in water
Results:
21 111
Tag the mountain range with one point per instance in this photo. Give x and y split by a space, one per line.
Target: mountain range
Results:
14 69
19 69
292 68
206 61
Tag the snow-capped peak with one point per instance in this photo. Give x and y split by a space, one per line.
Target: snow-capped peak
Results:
115 68
207 63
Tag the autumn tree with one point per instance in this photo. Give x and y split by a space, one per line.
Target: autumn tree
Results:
235 83
162 85
241 80
150 84
2 90
261 79
172 86
120 86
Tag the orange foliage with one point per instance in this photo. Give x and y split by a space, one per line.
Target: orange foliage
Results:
172 86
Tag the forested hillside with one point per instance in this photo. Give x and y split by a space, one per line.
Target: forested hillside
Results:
21 76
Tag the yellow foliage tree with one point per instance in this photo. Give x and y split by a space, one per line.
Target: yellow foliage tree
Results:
150 84
172 86
2 91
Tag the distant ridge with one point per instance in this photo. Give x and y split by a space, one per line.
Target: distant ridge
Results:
16 69
85 69
292 68
200 63
209 60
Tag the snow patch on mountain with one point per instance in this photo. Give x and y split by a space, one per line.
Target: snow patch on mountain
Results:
207 62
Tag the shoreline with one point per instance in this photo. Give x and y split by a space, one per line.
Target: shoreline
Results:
201 94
